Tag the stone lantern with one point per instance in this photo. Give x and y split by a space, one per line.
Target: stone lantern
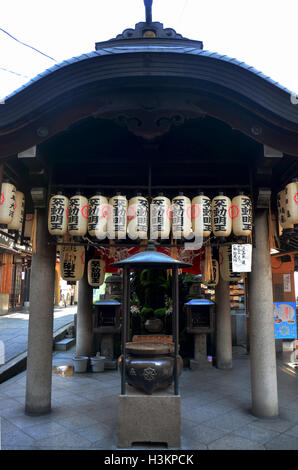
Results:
106 323
114 287
200 322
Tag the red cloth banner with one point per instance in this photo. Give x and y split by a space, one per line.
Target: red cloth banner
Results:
112 255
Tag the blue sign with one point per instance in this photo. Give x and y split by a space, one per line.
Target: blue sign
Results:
285 326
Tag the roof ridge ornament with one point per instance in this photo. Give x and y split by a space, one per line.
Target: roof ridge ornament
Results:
147 30
148 10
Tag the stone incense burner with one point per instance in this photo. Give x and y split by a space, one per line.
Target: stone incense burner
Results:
150 365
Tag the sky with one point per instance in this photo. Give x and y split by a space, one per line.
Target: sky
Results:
262 33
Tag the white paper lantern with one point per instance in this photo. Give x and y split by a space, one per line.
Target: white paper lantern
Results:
291 203
137 217
181 217
97 216
117 217
96 272
160 217
215 274
226 266
201 216
281 196
57 215
284 221
78 215
241 214
221 216
7 203
72 263
29 218
18 216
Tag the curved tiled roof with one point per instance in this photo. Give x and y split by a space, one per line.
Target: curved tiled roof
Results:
222 86
111 50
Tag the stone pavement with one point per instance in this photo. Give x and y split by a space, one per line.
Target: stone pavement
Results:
215 411
14 329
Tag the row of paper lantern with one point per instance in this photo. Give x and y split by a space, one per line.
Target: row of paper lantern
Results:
72 265
287 205
223 268
12 207
116 217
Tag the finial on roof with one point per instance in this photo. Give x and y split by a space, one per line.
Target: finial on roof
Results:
149 30
148 7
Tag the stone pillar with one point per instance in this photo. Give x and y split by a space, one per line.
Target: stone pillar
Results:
262 342
40 333
107 350
223 325
200 352
84 336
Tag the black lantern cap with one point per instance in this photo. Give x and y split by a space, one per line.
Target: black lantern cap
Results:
151 259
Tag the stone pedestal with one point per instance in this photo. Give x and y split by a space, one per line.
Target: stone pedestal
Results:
107 350
149 418
200 353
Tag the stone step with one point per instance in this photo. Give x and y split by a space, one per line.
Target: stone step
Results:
19 363
64 344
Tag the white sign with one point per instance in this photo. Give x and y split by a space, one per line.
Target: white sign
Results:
241 258
287 283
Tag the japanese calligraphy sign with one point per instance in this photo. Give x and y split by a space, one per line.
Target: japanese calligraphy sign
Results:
221 216
18 216
78 215
226 265
287 282
96 272
160 217
281 196
181 217
57 215
215 274
285 325
201 216
72 263
138 215
241 258
117 217
97 216
7 203
241 214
